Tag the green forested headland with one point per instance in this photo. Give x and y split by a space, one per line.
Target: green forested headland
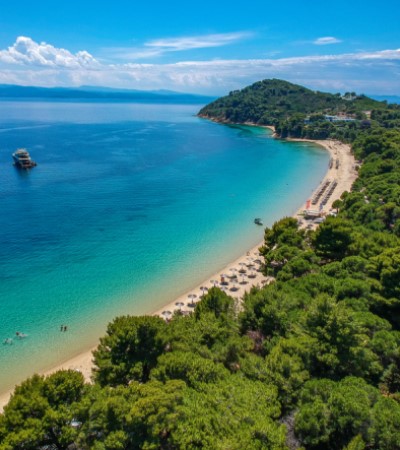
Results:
298 112
311 362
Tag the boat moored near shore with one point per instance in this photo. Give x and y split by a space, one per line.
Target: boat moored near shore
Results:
22 159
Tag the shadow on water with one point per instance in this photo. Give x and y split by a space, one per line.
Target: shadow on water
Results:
23 174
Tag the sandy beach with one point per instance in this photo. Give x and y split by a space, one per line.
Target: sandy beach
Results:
244 272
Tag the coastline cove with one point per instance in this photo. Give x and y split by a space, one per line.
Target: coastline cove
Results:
130 206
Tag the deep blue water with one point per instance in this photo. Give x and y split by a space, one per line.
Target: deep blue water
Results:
130 206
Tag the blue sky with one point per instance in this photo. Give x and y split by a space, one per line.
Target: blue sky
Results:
208 47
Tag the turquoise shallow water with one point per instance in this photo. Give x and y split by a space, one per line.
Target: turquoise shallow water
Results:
130 206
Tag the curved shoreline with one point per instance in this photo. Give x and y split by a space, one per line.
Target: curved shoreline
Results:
345 176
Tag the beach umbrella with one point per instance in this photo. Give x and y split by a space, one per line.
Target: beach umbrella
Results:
224 279
233 270
192 297
166 314
233 288
214 282
250 262
203 289
179 304
243 281
252 274
242 265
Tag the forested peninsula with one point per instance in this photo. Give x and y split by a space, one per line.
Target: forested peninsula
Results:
298 112
310 361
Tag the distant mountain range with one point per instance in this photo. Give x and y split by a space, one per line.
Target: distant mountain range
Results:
9 91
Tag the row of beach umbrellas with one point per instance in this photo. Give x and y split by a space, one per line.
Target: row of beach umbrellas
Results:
223 284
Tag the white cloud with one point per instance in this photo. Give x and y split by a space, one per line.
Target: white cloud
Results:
326 40
205 41
30 63
28 52
331 72
157 47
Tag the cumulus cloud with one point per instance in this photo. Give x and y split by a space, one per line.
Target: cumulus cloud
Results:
25 51
30 63
327 40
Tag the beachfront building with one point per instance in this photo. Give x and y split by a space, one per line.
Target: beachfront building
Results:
338 118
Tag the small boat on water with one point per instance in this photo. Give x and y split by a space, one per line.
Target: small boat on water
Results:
22 159
258 221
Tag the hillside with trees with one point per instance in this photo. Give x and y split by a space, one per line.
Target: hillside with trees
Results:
298 112
312 361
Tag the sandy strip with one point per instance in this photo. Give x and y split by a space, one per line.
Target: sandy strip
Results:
344 175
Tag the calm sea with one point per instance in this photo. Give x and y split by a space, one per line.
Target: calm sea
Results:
130 206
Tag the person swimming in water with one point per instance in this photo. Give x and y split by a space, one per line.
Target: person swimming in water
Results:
20 335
